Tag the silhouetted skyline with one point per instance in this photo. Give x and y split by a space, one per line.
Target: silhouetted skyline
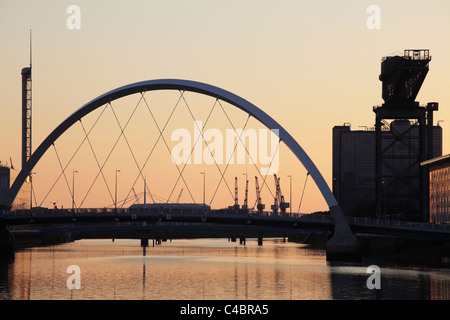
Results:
310 67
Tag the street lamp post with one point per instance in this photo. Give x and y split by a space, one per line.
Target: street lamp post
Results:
31 190
290 194
73 189
246 179
115 197
204 178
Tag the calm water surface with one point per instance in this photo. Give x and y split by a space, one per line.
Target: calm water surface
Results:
212 269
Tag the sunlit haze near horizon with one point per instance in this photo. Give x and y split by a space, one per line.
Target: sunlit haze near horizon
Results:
310 65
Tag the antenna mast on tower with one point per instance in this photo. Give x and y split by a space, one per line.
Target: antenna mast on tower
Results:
26 112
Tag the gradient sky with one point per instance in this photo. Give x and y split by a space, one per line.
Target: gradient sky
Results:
310 65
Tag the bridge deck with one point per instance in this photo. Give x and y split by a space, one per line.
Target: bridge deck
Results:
91 221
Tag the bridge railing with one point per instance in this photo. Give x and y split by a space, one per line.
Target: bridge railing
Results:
308 217
400 224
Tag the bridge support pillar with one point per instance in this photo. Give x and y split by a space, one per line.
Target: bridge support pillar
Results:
144 242
7 243
260 241
343 245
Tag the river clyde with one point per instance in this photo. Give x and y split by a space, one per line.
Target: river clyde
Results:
209 269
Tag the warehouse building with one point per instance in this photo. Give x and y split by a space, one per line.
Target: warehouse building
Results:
439 186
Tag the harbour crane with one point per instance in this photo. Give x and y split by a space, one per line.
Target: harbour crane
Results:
236 200
279 202
259 205
283 204
277 199
245 206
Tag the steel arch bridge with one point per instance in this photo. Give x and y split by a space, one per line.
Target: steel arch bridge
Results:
342 236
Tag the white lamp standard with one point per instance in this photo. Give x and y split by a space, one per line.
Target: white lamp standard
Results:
115 197
73 189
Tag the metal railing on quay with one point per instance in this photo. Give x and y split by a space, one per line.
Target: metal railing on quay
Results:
399 224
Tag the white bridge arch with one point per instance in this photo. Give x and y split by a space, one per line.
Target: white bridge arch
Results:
342 230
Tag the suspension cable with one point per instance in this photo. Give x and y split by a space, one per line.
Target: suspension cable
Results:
231 156
239 139
157 140
126 139
107 158
65 177
195 142
73 155
264 178
98 165
301 199
168 149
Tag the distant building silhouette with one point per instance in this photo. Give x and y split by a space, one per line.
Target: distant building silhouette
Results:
7 177
354 163
377 172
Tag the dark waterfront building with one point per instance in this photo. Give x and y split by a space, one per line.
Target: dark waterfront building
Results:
439 186
377 172
354 168
7 177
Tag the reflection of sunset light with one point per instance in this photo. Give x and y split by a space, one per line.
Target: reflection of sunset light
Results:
182 269
212 269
